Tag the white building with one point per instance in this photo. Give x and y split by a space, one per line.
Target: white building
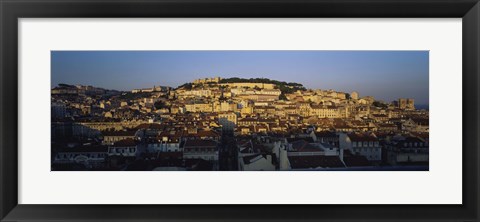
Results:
256 162
362 144
164 146
90 156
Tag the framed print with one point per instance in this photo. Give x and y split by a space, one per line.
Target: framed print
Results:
227 110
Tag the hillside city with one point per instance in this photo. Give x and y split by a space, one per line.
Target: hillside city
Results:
234 124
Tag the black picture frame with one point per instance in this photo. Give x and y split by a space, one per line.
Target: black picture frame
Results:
12 10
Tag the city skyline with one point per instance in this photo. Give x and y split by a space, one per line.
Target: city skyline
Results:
207 120
386 75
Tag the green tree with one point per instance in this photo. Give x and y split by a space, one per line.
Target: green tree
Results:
187 86
379 104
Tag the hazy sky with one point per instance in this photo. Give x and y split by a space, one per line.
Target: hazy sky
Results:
386 75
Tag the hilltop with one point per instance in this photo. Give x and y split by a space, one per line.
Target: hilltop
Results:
284 87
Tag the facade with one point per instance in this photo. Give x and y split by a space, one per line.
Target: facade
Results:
327 137
408 104
111 137
366 145
354 95
199 107
249 85
408 151
207 80
89 156
421 125
126 148
325 112
228 121
164 147
200 149
256 162
198 93
58 110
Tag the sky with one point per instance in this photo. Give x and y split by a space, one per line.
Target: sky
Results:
386 75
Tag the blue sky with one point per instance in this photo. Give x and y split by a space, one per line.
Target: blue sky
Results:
386 75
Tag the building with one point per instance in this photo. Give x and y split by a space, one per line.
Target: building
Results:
200 149
149 90
199 107
407 104
73 129
165 142
354 95
207 80
58 110
256 162
111 137
198 93
324 111
420 125
126 148
408 151
366 145
89 156
249 85
64 89
259 97
305 154
328 137
228 121
226 107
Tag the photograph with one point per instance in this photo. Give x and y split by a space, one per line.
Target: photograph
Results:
240 110
277 110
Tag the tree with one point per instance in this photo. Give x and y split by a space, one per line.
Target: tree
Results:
187 86
379 104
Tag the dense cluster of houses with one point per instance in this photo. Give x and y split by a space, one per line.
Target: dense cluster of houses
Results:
161 128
